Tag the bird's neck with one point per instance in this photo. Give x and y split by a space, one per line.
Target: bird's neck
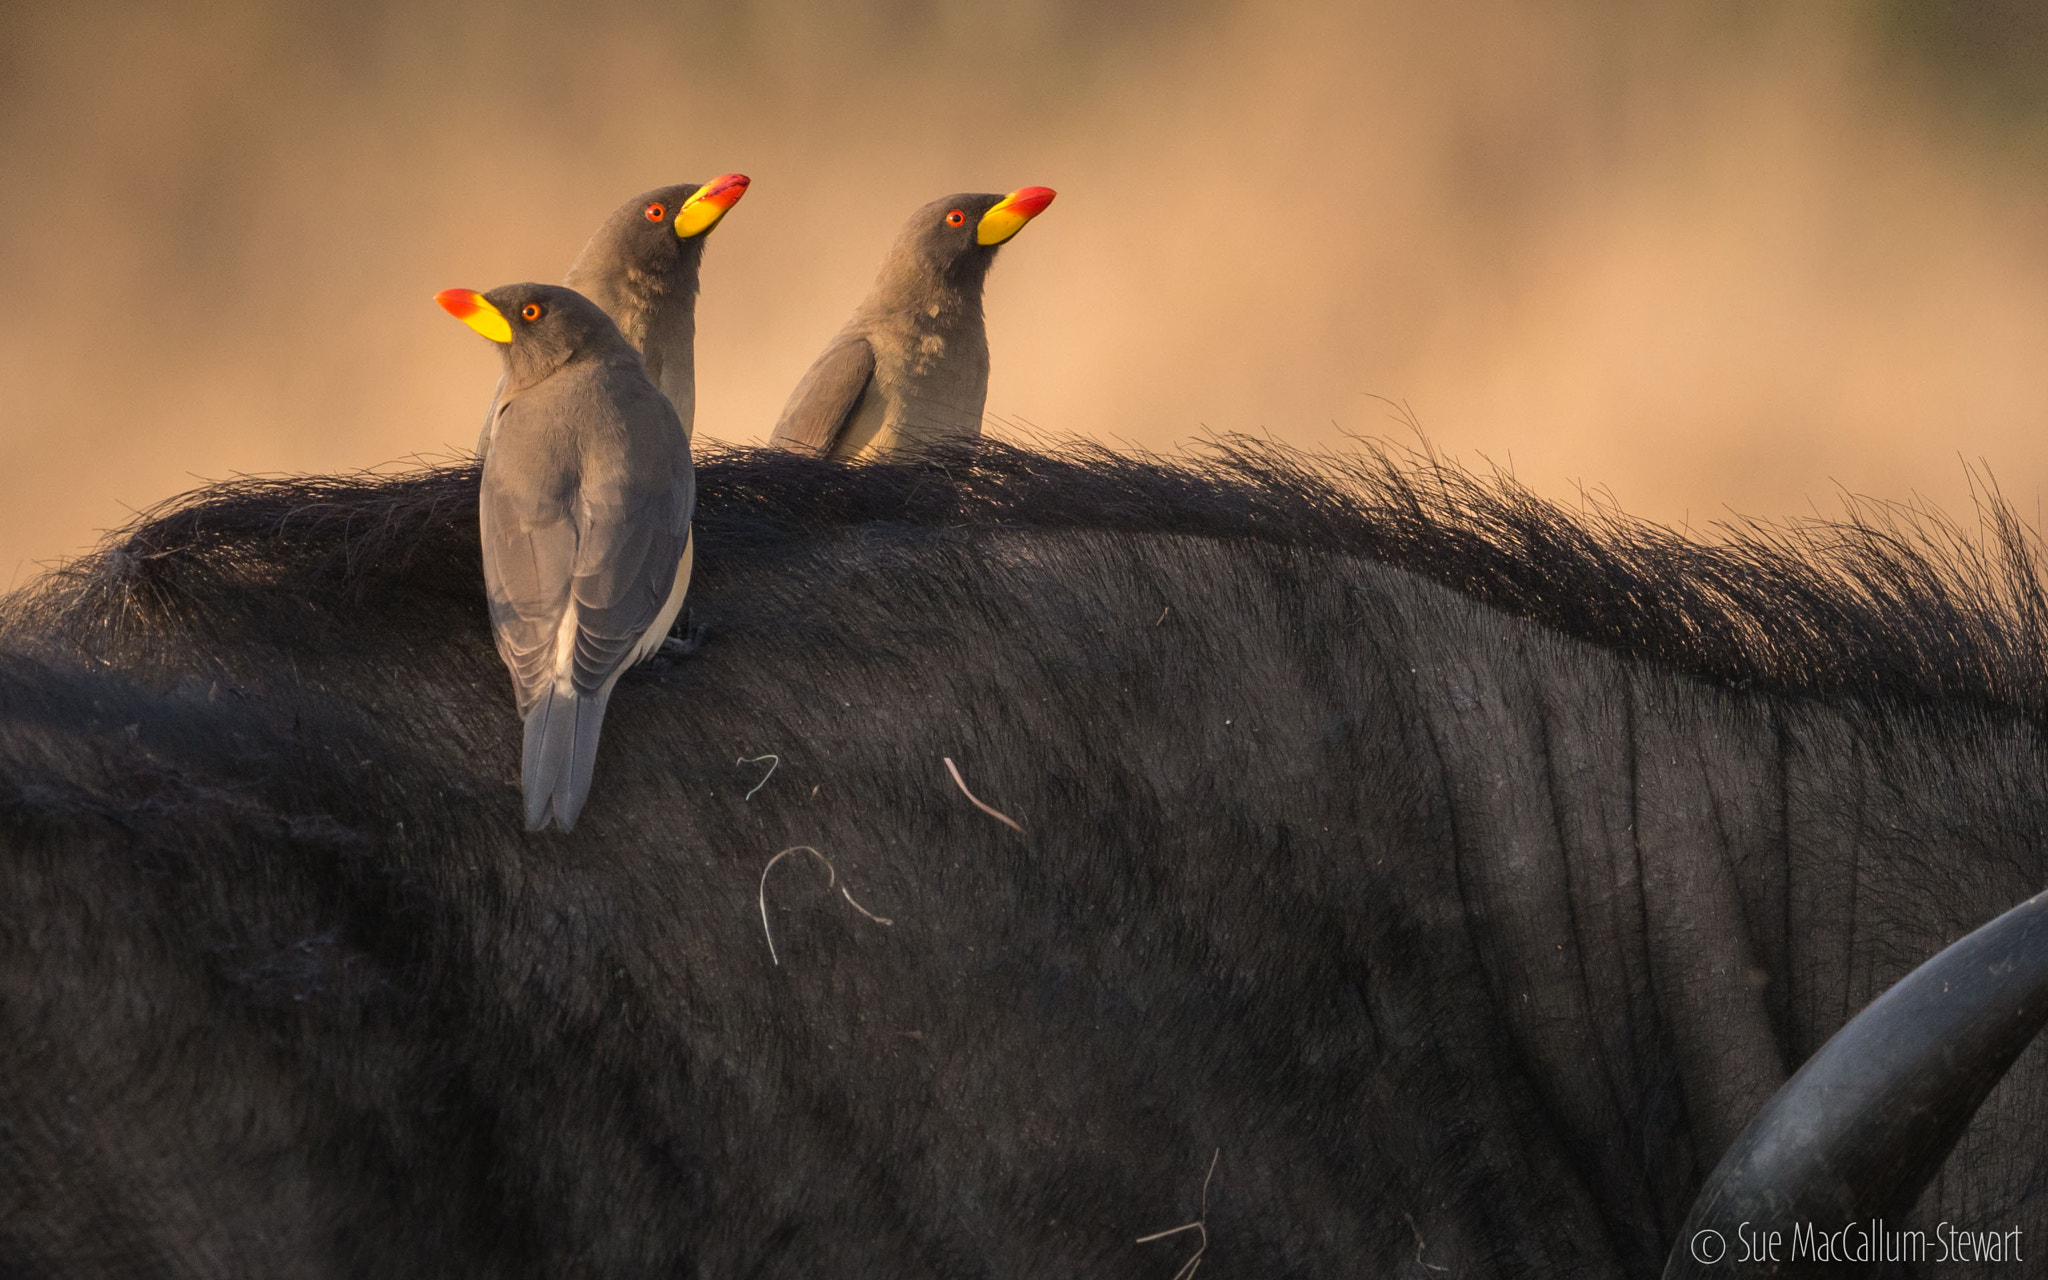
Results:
645 301
928 301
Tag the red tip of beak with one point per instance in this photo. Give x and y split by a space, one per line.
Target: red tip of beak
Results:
460 303
724 191
1031 201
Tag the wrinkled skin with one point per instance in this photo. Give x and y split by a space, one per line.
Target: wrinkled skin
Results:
1465 944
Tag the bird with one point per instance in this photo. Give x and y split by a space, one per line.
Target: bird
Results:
641 267
909 372
584 513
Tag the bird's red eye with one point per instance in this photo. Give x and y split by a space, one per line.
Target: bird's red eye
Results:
656 212
956 219
530 312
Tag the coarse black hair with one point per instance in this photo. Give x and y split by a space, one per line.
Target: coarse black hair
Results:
1889 601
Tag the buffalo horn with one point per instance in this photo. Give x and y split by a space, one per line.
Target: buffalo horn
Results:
1855 1135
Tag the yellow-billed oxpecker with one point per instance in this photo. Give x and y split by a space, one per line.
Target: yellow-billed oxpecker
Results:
641 267
910 370
585 515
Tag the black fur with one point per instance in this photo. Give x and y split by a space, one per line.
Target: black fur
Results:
1892 601
1468 944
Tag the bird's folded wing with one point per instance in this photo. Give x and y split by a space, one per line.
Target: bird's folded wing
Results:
626 569
529 569
615 578
483 439
825 399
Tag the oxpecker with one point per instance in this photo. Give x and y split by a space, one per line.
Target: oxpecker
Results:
910 370
641 267
585 515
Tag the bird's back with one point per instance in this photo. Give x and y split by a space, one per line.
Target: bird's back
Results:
585 513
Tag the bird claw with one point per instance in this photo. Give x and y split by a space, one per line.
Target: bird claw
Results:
678 647
686 640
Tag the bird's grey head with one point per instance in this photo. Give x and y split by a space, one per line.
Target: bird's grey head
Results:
950 242
541 327
655 241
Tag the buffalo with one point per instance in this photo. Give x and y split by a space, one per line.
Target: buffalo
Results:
1049 861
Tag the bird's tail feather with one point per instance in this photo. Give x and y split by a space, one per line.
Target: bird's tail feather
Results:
559 755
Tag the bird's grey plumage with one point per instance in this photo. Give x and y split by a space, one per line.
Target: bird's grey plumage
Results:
644 276
585 515
909 371
829 396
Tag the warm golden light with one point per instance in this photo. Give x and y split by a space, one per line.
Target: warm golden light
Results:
1700 257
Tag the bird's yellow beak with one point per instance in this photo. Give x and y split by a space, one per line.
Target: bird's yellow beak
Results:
468 306
1011 213
703 209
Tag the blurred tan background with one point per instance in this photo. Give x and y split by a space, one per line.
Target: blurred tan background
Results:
1699 255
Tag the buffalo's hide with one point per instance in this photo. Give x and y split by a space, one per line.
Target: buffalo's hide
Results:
1461 904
